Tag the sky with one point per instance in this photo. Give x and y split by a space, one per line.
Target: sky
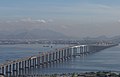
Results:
77 18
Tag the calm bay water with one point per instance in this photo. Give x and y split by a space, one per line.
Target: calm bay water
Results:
11 52
106 60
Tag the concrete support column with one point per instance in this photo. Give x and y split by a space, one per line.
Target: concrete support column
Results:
2 70
34 62
19 65
77 49
38 60
30 62
26 64
13 69
88 49
10 70
7 71
74 51
43 59
16 68
46 58
67 52
53 56
70 52
85 49
59 55
23 65
49 57
62 55
82 49
56 55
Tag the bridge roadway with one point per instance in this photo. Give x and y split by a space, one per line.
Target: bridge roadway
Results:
14 68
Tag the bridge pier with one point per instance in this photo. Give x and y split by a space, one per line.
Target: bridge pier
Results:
62 55
22 68
53 57
74 51
56 56
13 69
50 58
42 60
59 52
18 67
28 63
31 61
3 70
64 52
6 70
34 62
46 59
68 53
10 70
38 61
26 66
81 49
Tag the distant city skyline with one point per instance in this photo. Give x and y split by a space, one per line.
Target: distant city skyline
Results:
76 18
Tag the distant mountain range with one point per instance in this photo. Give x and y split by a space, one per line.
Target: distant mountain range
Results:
32 34
114 39
47 34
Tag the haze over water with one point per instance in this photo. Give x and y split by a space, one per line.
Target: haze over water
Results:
106 60
74 18
61 20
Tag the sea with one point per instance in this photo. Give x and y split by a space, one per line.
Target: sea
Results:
105 60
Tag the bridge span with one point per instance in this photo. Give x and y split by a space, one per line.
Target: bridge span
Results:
16 67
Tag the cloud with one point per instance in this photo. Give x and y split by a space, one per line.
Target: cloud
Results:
27 20
104 6
41 21
119 21
50 20
33 20
64 26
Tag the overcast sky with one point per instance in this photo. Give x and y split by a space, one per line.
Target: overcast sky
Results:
78 18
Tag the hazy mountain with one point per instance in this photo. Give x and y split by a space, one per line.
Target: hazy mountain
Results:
32 34
97 38
116 38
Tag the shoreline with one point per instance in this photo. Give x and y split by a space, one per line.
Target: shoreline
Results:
86 74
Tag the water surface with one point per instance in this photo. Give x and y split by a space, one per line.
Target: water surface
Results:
106 60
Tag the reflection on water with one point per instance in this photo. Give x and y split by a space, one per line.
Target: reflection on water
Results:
11 52
106 60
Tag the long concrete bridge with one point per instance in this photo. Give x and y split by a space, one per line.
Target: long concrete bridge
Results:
14 68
